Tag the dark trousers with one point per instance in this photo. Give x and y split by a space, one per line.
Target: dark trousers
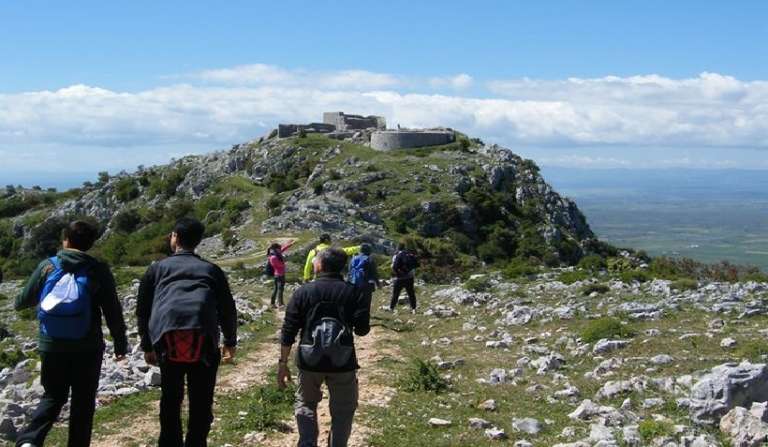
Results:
397 288
277 292
61 372
201 381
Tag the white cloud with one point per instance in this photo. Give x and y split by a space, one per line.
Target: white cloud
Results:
237 104
263 74
458 82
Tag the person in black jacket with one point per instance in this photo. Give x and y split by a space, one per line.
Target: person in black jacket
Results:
73 364
300 316
183 301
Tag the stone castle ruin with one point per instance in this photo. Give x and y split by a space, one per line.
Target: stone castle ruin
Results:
371 130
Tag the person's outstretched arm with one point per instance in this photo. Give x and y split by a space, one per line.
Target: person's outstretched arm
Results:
113 311
30 295
287 246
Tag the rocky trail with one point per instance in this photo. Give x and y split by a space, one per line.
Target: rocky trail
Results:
252 370
247 372
370 351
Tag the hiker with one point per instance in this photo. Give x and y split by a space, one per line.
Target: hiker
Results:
276 267
326 313
363 272
325 242
72 291
404 265
182 302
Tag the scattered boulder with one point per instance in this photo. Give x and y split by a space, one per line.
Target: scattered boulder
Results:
746 428
530 426
726 386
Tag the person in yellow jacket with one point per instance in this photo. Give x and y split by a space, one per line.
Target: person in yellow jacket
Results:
325 242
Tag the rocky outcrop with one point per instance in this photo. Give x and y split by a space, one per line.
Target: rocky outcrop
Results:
726 386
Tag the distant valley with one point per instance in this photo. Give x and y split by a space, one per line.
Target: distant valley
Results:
708 215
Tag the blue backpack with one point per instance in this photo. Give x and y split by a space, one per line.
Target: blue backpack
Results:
65 310
358 269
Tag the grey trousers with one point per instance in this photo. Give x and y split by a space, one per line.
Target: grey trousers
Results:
342 402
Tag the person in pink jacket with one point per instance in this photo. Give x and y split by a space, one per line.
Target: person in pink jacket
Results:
277 261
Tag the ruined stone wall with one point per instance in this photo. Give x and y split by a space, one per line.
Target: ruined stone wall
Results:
289 130
343 121
388 140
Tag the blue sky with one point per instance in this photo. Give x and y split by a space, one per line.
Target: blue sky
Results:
590 84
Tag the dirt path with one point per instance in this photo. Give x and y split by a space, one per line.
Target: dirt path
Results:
370 351
248 371
252 370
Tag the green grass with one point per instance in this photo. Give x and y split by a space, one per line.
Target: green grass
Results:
262 408
107 419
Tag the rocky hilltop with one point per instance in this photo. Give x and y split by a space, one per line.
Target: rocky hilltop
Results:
475 200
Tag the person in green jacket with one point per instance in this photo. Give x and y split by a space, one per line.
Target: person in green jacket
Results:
73 363
325 242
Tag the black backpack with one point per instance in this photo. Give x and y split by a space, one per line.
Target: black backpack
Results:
329 335
405 263
268 269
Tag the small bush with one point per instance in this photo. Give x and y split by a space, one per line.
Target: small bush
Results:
127 221
318 187
631 276
685 284
518 268
126 189
651 429
273 204
423 376
9 359
592 288
574 276
593 263
606 327
480 284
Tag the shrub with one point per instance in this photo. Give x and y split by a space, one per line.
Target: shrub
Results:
423 376
592 288
685 284
518 268
605 327
126 189
631 276
650 429
593 263
573 276
273 204
478 284
9 359
127 221
228 237
318 187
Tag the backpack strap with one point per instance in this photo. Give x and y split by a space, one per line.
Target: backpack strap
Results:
55 261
